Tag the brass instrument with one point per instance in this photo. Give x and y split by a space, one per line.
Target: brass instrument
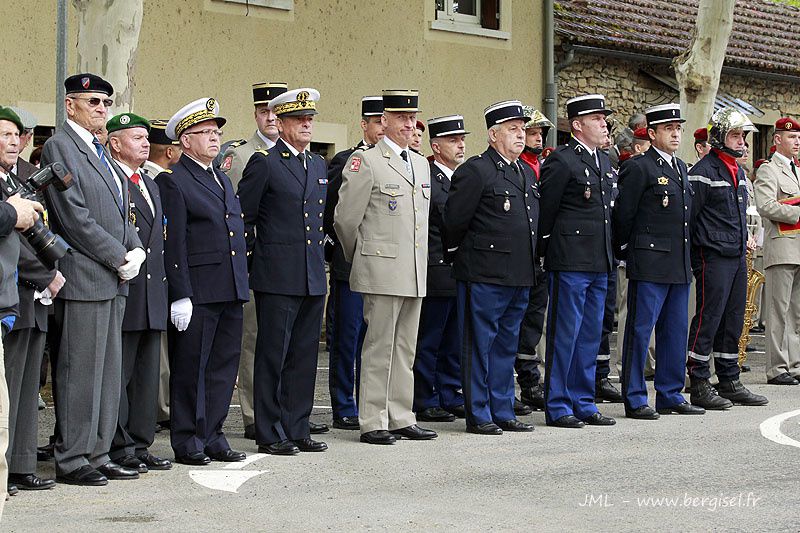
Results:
754 281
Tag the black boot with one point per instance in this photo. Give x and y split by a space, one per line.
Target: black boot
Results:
604 391
533 397
739 394
702 394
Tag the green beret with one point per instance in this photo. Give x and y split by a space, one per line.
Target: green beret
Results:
127 120
6 113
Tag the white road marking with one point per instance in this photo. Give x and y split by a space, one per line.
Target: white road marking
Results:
771 429
241 464
225 480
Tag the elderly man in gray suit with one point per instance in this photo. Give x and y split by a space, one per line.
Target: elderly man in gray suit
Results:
93 217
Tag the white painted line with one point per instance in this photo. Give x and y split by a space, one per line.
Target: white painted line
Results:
771 429
241 464
224 480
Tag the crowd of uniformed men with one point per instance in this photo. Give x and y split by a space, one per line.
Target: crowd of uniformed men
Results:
443 274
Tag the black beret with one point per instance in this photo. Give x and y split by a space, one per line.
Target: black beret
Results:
87 83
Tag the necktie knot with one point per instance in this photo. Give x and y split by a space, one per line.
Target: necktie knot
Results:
404 155
135 177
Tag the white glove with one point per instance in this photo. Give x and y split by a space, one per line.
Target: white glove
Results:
181 313
130 268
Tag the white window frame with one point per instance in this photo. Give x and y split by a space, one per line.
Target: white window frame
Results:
467 24
451 15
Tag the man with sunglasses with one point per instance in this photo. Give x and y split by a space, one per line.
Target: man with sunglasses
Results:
92 216
206 265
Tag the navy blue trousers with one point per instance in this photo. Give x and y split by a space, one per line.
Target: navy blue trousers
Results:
662 306
488 320
346 338
604 353
437 364
574 326
530 332
721 284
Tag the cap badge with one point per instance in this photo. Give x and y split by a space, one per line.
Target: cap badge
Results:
788 125
663 181
673 112
210 104
124 119
85 82
302 96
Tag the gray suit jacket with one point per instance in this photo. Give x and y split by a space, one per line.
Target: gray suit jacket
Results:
775 182
89 217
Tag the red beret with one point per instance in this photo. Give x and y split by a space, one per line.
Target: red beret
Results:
701 134
758 163
420 125
787 124
624 156
641 134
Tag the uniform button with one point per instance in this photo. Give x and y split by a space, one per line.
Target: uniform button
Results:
685 207
233 252
305 215
528 207
416 245
605 206
230 233
606 221
176 266
603 192
577 232
241 215
308 242
320 228
148 276
416 209
685 224
304 202
652 245
526 195
533 233
320 242
416 227
530 220
413 191
227 215
320 201
245 234
377 252
491 246
685 240
148 250
308 228
319 215
162 252
441 261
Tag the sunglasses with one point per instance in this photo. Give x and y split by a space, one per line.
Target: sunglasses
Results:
95 101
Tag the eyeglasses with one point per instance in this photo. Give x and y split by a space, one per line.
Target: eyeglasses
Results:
95 101
205 133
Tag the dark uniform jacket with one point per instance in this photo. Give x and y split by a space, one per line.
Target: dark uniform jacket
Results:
204 252
719 218
146 307
340 268
651 220
575 219
285 205
492 219
440 273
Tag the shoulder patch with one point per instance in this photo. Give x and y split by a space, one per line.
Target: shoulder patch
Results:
226 163
355 164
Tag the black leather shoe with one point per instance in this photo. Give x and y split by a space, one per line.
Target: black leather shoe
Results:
284 447
379 436
739 394
346 422
414 432
435 414
317 429
309 445
193 459
520 409
155 463
783 379
598 419
757 329
604 391
250 432
85 476
12 489
30 482
458 411
132 462
702 394
566 421
227 456
684 408
533 397
489 428
114 471
514 425
644 412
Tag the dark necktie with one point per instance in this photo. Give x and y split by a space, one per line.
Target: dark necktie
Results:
794 168
675 167
102 155
520 175
302 157
404 155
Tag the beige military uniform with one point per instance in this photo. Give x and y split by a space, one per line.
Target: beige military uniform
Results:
382 222
775 182
233 163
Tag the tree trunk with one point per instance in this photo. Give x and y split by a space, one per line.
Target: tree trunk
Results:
108 36
697 70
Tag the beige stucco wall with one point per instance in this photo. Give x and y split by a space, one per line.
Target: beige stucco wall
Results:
344 48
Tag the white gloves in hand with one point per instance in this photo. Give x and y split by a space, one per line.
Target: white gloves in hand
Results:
181 313
133 260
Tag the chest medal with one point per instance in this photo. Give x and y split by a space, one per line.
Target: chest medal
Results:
587 193
665 201
507 205
392 204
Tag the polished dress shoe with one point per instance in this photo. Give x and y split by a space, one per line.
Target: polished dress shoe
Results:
193 459
11 490
316 429
155 463
520 409
488 428
309 445
435 414
783 379
702 394
414 432
566 421
114 471
132 462
644 412
284 447
346 422
739 394
514 425
30 482
598 419
250 432
684 408
533 397
604 391
85 476
457 410
227 456
379 436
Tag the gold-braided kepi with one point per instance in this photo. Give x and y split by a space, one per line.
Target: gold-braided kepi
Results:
193 113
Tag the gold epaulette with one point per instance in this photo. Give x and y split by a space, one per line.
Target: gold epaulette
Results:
237 144
168 171
262 151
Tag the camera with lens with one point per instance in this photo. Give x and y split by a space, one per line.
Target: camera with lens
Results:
48 246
